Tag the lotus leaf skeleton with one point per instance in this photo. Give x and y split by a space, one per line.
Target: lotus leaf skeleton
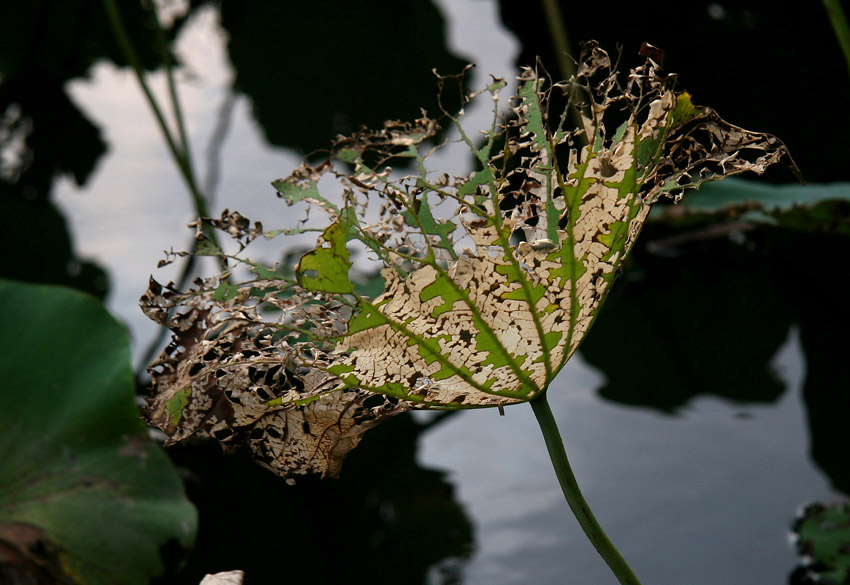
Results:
492 279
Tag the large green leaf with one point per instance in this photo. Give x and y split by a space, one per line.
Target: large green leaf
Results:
77 471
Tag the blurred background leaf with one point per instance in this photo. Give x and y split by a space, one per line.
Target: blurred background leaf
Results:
85 496
823 538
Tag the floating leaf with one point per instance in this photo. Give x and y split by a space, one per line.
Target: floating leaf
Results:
813 207
84 494
491 280
823 537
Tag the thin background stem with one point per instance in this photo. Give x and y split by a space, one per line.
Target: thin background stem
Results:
839 25
572 493
179 146
560 40
178 150
566 65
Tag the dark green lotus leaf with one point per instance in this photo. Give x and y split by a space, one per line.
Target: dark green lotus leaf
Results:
813 207
78 475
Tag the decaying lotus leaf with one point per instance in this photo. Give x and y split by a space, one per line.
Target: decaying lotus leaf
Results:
243 377
491 280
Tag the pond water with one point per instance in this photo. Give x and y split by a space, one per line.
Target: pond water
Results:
692 437
705 496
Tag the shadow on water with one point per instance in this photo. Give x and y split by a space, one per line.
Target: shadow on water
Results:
44 136
700 314
314 70
706 321
805 264
777 71
707 316
385 520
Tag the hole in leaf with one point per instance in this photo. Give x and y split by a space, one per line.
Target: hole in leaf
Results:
517 236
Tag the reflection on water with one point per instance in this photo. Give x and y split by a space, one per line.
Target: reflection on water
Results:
708 320
705 406
386 520
44 136
706 494
705 321
328 68
736 57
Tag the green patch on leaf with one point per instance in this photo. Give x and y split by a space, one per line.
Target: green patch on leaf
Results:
265 273
177 403
348 155
325 269
369 317
225 291
302 187
443 289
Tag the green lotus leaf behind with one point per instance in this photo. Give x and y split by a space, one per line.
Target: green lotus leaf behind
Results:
78 473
